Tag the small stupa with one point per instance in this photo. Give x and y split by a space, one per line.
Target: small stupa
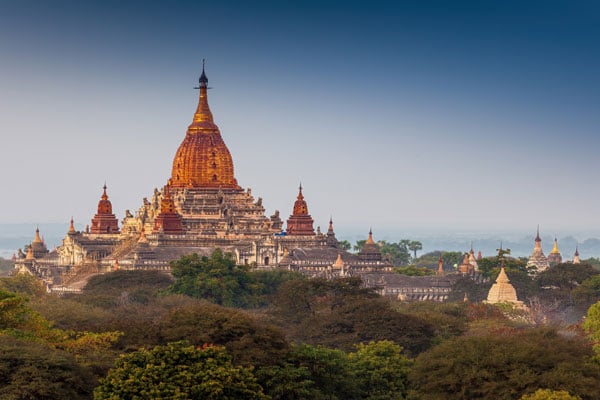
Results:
502 291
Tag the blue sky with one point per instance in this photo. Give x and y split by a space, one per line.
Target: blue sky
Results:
435 116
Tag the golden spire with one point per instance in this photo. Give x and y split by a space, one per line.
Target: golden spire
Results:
538 240
576 259
330 228
203 116
30 253
555 248
37 239
370 239
71 226
202 159
339 263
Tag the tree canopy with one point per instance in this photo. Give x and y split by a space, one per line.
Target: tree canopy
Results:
178 371
506 366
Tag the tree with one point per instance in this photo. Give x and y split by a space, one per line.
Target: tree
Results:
328 369
415 245
247 339
359 245
178 371
24 284
340 314
345 245
506 365
33 370
217 279
450 259
547 394
398 253
592 327
566 276
588 292
380 370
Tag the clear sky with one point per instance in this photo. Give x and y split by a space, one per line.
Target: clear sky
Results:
419 115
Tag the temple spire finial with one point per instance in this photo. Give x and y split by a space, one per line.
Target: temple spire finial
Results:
71 226
37 238
203 117
370 238
203 79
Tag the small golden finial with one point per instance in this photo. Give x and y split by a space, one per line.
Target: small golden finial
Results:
72 226
104 195
30 253
370 238
203 117
555 248
37 239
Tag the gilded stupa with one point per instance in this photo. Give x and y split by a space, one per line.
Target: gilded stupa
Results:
554 257
203 160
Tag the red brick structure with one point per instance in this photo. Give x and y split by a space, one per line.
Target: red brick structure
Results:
104 221
300 222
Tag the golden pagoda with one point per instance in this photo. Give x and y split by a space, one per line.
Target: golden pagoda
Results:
203 160
370 250
554 257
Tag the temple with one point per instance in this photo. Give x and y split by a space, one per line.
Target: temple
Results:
538 261
576 259
300 222
554 257
201 207
502 291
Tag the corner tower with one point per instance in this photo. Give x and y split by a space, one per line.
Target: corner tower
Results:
203 160
105 221
300 222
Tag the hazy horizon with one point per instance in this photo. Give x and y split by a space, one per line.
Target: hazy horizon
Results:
15 236
440 117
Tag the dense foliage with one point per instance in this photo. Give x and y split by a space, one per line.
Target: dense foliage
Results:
293 338
178 371
506 366
220 280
